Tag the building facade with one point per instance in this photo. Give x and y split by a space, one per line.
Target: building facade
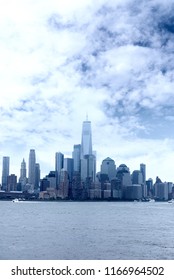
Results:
59 160
108 167
76 157
31 168
69 167
88 158
12 183
86 142
37 176
5 171
23 175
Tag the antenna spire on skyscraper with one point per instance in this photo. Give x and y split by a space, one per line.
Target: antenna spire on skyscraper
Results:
86 116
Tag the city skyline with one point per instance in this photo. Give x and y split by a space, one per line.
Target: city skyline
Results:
75 178
119 71
81 157
60 158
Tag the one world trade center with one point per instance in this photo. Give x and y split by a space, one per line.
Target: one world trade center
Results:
88 159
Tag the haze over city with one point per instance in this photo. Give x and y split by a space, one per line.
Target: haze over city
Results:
112 60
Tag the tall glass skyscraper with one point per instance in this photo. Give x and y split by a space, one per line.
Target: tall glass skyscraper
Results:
5 171
69 166
86 144
59 160
31 167
88 159
37 175
76 157
143 171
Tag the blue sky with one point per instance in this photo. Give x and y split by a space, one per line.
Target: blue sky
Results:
111 59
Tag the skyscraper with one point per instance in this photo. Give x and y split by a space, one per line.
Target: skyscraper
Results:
37 175
88 167
5 171
31 167
86 144
51 178
23 175
59 160
137 177
88 159
12 182
76 157
108 167
143 171
23 170
69 166
63 190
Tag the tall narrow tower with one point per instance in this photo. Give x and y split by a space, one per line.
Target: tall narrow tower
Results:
23 175
31 167
88 159
37 175
5 171
23 170
76 157
143 171
86 144
59 159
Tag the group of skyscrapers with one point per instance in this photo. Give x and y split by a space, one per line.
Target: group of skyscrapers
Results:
83 160
76 177
9 182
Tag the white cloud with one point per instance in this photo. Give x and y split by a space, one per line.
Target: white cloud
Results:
63 59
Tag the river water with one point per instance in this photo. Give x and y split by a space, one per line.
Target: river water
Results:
86 230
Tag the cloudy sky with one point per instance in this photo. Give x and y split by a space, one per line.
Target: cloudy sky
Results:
111 59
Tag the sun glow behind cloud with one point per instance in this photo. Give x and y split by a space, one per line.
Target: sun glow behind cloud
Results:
114 61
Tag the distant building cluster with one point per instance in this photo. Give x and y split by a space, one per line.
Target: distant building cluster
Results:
76 178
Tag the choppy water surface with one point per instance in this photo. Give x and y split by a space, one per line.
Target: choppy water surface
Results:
86 230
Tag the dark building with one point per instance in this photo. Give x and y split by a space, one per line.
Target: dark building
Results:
5 172
137 177
103 179
12 183
51 177
69 167
116 188
150 188
79 190
44 184
123 174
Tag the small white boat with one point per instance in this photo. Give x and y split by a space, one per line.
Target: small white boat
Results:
171 201
15 200
151 200
18 200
